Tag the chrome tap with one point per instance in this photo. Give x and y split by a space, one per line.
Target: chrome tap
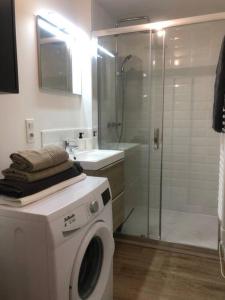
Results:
70 146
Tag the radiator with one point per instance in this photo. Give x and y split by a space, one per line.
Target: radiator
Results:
221 200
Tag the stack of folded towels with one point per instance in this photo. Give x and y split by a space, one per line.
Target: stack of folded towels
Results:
37 173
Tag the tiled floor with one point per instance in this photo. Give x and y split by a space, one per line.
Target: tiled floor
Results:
177 227
190 229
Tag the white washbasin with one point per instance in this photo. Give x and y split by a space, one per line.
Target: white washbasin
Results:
97 159
126 147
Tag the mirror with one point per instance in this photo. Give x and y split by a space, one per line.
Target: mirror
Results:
59 68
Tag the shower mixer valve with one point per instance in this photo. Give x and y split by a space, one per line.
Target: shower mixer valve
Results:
113 124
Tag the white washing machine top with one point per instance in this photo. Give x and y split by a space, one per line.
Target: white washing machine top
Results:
78 203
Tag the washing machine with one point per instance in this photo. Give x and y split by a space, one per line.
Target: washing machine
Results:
59 248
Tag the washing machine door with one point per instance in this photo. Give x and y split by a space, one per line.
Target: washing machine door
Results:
93 263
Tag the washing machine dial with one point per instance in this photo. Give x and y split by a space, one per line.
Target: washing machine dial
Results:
94 207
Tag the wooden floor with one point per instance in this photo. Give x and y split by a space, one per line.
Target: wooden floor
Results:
145 273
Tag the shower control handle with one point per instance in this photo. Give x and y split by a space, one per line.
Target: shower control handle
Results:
156 138
113 124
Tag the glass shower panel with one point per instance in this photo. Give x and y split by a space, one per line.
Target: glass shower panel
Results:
133 108
125 120
191 148
106 80
156 128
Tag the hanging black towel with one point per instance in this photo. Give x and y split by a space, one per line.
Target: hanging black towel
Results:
219 92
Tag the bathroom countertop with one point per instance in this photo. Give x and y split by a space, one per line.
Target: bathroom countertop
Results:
97 159
126 147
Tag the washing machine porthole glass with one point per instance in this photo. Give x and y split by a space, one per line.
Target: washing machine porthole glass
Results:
90 268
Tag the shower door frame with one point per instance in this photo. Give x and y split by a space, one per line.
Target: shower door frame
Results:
151 27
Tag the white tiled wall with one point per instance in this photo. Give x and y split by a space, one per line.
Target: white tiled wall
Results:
191 147
59 136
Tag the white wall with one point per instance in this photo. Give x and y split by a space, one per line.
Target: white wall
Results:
48 110
161 10
101 18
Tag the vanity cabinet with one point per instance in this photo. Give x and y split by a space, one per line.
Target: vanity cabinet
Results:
115 174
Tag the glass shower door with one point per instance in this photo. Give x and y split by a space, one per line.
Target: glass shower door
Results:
191 147
106 91
156 132
133 108
130 103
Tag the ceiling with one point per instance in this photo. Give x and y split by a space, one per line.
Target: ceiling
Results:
161 9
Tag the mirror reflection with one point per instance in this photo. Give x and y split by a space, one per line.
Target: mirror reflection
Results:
57 68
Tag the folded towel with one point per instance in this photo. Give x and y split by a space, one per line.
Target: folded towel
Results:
15 174
37 160
20 202
19 189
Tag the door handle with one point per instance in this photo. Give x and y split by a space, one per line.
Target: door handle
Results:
156 138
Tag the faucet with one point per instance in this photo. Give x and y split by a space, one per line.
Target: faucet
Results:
70 146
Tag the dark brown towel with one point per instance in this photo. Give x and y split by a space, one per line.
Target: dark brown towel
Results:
15 174
19 189
37 160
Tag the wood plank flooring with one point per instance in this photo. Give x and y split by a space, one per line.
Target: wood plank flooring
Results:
145 273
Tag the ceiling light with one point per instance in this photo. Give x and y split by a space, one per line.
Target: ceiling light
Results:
63 24
53 30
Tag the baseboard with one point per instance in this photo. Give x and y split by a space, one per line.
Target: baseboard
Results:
167 246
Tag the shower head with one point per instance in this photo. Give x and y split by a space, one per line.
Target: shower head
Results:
128 57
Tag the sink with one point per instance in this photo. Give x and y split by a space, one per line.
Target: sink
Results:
97 159
123 146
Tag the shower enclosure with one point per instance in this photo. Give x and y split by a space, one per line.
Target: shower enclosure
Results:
155 95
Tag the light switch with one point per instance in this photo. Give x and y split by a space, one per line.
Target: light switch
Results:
30 131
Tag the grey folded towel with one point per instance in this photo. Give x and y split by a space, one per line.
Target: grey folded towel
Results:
37 160
15 174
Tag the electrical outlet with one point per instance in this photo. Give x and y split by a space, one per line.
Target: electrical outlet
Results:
30 131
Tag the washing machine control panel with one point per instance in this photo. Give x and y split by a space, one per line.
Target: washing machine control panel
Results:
83 214
69 220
